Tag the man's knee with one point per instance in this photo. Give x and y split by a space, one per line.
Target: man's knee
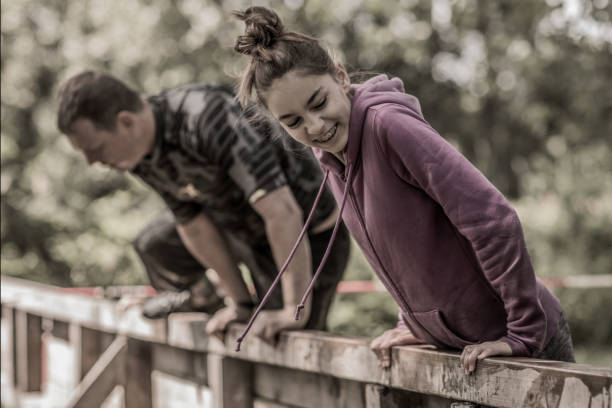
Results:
156 236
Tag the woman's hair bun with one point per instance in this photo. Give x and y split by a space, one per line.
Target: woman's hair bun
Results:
263 28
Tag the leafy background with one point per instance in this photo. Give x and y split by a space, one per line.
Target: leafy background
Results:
522 88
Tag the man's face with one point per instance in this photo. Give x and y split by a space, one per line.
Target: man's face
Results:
118 149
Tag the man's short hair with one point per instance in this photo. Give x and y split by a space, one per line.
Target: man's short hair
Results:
97 97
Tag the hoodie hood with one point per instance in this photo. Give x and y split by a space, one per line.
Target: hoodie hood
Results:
376 91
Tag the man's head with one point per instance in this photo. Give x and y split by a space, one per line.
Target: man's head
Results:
105 120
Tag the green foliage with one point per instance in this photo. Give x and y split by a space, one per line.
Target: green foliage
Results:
522 88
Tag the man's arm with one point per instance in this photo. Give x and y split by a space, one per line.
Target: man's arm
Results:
206 243
283 218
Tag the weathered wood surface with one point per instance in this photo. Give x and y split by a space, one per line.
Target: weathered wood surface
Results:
95 313
178 362
230 381
90 345
102 378
27 340
138 369
502 382
306 390
378 396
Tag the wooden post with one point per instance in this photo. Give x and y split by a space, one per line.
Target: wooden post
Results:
378 396
28 346
9 396
102 378
8 315
231 382
138 375
93 344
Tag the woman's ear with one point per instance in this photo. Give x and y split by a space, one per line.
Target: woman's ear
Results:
342 77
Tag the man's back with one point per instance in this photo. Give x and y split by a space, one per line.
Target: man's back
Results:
208 157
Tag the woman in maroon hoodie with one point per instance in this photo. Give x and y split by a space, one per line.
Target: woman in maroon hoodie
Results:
442 239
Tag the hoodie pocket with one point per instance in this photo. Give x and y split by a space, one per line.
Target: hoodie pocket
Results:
433 323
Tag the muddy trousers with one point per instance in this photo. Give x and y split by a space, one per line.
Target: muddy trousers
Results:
171 267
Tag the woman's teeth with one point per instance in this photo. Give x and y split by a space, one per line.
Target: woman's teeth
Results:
328 135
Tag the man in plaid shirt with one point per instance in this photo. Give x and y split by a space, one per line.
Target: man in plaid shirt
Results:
235 195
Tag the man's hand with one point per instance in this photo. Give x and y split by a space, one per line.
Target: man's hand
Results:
217 324
483 350
382 344
270 322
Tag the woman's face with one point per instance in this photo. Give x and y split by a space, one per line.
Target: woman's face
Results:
313 109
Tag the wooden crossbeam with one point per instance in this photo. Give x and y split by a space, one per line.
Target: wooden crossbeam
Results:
107 372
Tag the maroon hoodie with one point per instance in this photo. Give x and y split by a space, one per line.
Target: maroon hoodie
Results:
442 239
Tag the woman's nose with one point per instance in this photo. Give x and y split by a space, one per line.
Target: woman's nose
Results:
314 125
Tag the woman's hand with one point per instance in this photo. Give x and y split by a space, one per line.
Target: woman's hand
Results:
382 344
475 352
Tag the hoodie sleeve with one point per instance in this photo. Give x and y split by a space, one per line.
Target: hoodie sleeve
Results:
421 157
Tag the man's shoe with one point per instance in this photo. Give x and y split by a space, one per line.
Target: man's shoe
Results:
165 303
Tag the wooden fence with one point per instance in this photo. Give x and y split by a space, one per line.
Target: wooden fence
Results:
77 351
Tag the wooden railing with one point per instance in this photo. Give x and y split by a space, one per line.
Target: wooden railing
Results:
79 351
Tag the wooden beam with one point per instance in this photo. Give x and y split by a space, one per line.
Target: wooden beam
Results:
9 397
231 382
138 392
503 382
104 375
28 346
101 314
92 345
379 396
304 389
185 364
188 330
264 403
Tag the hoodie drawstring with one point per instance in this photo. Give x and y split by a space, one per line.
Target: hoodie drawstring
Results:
289 258
329 246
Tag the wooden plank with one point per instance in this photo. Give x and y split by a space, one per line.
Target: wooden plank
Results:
188 330
60 329
231 382
100 381
138 392
306 390
264 403
186 364
170 391
379 396
101 314
504 382
28 345
131 323
500 382
8 396
92 345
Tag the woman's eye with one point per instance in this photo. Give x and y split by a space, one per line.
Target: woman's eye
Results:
320 104
294 123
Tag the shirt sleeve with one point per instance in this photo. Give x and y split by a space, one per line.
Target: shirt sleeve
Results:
183 211
227 139
477 209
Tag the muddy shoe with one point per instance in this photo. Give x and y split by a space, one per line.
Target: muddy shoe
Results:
162 305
